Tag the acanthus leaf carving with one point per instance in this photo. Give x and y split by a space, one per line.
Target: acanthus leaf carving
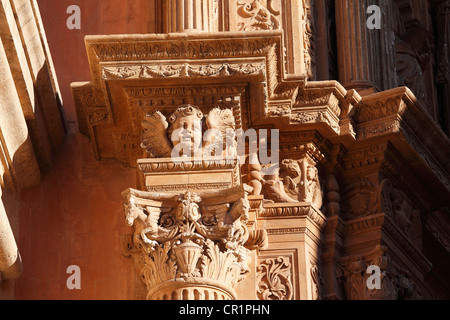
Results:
395 281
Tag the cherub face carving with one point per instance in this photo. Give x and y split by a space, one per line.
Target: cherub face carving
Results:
185 130
182 134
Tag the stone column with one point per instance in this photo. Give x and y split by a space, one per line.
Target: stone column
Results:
19 157
10 261
365 55
189 15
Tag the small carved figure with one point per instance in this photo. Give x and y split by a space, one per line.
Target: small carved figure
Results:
313 191
296 181
182 135
274 190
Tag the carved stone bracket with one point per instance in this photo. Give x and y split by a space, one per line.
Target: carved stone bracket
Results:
395 282
95 112
296 180
398 113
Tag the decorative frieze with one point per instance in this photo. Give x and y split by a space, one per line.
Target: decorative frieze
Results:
257 15
182 71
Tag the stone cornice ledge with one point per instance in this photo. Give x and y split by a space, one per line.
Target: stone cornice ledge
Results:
138 49
277 210
438 223
398 112
382 222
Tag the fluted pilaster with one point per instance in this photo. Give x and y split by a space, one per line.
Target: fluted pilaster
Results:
365 55
189 15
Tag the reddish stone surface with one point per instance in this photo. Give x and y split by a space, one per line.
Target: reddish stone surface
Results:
97 17
75 217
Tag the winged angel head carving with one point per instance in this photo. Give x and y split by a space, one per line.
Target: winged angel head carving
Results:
182 134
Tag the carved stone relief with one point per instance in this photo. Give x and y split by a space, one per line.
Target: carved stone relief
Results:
191 231
362 198
185 134
182 71
308 38
407 218
395 281
317 282
297 181
274 279
192 248
257 15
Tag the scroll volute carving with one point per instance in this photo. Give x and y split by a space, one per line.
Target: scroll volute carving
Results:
274 281
257 15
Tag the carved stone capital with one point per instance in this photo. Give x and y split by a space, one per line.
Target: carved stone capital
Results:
192 245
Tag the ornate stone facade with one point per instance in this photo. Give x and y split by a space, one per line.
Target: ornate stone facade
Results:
335 204
282 150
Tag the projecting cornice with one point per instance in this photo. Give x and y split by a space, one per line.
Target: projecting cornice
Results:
136 74
398 117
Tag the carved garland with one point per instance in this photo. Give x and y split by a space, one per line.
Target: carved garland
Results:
183 70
